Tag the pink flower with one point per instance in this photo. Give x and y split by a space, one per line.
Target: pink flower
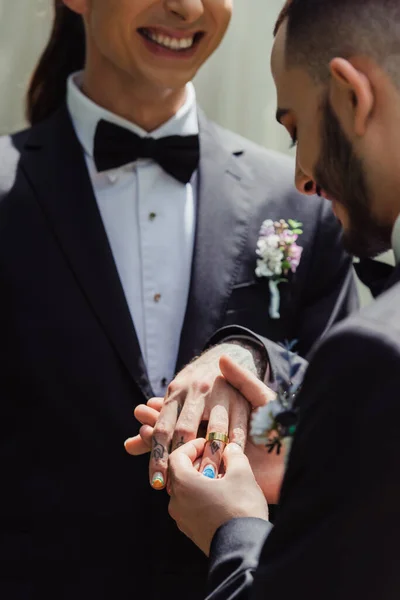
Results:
294 256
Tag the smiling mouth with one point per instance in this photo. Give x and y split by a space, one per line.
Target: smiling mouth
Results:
170 43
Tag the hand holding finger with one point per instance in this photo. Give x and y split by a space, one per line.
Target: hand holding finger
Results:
254 390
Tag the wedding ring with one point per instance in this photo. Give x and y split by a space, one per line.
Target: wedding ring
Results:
218 437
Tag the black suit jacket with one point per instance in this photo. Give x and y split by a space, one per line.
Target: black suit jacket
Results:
79 518
337 532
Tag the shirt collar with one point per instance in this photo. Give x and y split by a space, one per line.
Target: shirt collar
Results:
396 240
85 115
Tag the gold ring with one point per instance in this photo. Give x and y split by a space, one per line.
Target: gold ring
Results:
218 437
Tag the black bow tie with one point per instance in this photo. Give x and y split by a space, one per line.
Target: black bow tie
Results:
374 274
115 146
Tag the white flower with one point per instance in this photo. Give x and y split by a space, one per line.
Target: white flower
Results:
265 245
263 270
262 421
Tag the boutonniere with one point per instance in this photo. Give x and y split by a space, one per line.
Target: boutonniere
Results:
274 424
279 255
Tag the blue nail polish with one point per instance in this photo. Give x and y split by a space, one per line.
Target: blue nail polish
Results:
209 472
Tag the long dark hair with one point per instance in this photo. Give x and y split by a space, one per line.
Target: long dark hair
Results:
64 54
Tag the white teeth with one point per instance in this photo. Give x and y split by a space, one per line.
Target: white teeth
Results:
171 43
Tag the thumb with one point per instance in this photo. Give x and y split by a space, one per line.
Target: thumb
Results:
254 390
235 460
184 458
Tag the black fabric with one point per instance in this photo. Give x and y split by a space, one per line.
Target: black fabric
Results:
336 534
78 518
115 146
374 274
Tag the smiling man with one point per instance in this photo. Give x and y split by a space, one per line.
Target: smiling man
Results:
336 65
128 234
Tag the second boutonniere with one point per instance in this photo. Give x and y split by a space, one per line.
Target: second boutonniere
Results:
279 254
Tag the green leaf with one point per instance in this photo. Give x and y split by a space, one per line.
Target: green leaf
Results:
298 231
295 224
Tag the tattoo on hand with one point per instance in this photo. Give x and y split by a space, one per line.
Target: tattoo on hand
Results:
215 446
180 443
158 450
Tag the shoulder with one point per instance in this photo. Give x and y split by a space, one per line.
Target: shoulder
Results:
259 156
372 332
11 147
273 174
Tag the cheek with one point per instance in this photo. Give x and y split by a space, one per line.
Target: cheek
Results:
308 149
219 13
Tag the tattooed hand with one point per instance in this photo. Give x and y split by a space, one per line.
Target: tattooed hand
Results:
198 395
268 468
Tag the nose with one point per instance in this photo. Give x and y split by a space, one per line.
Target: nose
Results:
305 184
187 10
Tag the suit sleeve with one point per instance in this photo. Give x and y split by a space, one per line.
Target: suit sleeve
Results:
273 354
330 293
234 556
337 533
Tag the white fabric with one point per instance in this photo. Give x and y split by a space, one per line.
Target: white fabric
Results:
149 218
396 240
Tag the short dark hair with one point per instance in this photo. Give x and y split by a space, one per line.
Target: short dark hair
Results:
282 16
320 30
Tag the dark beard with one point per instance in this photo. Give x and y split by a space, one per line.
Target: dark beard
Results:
340 173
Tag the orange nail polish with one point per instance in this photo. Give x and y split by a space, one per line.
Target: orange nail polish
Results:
158 481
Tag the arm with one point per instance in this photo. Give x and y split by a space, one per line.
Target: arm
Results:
273 355
336 536
234 557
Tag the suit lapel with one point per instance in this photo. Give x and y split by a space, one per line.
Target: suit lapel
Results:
54 163
394 278
223 216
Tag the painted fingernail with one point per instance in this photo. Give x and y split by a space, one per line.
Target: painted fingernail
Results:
209 472
158 481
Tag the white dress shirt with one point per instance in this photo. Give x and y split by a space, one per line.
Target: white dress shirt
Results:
149 218
396 240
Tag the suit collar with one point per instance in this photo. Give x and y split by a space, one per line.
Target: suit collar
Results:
226 190
85 115
54 164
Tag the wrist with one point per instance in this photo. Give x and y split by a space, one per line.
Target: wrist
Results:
258 363
245 351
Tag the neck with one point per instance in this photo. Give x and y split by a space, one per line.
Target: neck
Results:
147 106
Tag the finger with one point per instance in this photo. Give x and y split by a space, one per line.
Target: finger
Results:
254 390
183 460
161 442
156 403
220 399
146 415
239 420
236 462
140 444
196 465
189 420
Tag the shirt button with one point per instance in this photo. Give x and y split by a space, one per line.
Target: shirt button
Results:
152 216
157 297
164 382
112 177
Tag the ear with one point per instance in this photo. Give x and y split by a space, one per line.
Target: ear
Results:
352 95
